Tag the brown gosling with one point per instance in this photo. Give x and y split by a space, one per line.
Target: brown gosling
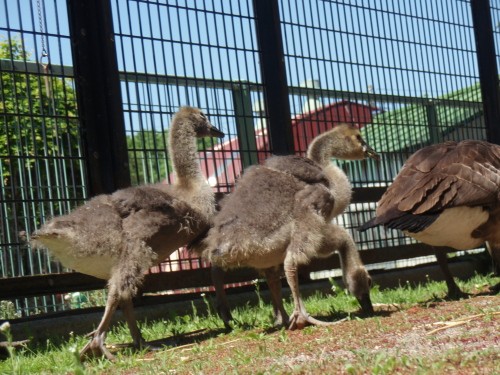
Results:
118 237
280 214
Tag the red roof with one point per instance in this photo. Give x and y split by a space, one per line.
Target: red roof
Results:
307 126
223 162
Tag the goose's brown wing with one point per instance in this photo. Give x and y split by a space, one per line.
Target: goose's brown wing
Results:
437 177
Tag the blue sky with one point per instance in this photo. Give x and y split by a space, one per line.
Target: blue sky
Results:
410 48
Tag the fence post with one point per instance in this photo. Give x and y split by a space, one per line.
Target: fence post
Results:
272 66
488 73
98 94
432 122
244 124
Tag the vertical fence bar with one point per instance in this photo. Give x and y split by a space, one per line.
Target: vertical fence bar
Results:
244 124
488 73
432 117
99 95
272 65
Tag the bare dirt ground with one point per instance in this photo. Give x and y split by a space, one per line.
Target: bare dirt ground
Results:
453 337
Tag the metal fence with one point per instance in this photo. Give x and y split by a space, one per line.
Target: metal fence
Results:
270 74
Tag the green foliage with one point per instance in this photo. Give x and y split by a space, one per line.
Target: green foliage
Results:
149 160
8 310
40 158
40 114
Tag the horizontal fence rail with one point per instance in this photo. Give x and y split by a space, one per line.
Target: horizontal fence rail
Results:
188 279
67 71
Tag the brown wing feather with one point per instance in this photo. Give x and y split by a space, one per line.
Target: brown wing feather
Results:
443 176
422 187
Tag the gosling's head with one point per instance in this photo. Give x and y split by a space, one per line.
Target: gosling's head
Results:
355 147
359 283
342 142
197 119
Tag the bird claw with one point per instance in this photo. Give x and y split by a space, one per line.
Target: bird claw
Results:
456 294
299 320
280 321
143 345
96 348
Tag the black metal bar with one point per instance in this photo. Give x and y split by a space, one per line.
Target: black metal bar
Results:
67 71
488 72
272 65
99 95
244 125
432 122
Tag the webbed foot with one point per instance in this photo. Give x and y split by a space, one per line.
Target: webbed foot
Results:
299 320
96 348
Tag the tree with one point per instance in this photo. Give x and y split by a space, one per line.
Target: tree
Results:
40 160
148 159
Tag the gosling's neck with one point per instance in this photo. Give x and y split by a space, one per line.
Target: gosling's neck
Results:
326 146
184 153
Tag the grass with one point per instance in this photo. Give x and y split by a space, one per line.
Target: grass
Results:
255 346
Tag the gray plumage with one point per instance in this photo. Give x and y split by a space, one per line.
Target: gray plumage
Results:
447 194
118 237
280 213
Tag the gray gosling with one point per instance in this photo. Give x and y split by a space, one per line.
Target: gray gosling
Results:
118 237
447 195
280 214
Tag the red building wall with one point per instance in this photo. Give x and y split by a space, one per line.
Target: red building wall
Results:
307 126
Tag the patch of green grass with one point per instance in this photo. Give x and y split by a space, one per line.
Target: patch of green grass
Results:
254 346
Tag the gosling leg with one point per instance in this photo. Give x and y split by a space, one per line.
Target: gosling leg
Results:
222 305
96 346
128 312
299 318
274 283
122 286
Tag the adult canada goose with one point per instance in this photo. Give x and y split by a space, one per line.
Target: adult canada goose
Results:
447 194
118 237
280 213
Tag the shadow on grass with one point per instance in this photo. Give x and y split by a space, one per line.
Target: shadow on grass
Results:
337 317
485 291
184 339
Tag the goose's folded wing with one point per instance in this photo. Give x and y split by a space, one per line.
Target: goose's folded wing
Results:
303 169
260 208
314 198
151 198
439 177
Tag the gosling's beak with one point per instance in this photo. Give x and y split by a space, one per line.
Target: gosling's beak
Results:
366 304
214 132
370 152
